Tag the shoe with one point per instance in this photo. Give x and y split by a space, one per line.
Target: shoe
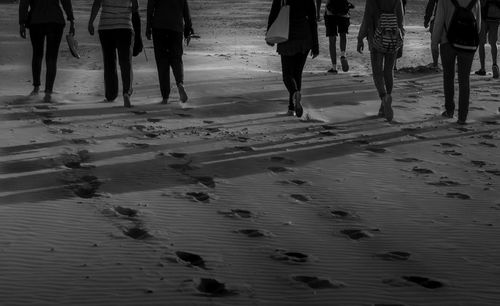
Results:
298 107
389 114
164 101
182 93
332 71
495 71
344 63
290 112
480 72
381 113
461 122
447 114
48 97
126 101
36 91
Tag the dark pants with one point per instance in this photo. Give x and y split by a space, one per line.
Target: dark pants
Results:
168 53
292 67
450 56
38 32
120 40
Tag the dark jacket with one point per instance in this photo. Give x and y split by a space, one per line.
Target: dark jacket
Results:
301 12
169 15
44 11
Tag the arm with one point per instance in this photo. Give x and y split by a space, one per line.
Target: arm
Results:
477 9
96 6
188 25
438 24
23 17
275 9
401 16
68 9
318 9
429 11
135 6
149 18
313 24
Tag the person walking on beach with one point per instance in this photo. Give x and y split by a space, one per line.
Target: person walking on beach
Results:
167 23
456 29
382 25
337 21
430 14
116 35
45 21
302 39
490 12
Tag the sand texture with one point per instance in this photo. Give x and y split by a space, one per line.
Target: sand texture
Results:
225 200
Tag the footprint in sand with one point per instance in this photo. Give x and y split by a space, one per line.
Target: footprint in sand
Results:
136 145
207 181
422 170
340 214
357 234
85 187
289 257
452 153
300 197
139 112
127 212
328 133
254 233
487 136
182 115
314 282
478 163
376 149
279 169
488 144
52 122
449 145
152 135
360 141
394 256
191 259
82 141
178 155
491 122
245 148
445 183
458 195
137 233
66 131
408 160
154 120
294 182
214 288
494 172
183 167
238 213
199 196
424 282
281 159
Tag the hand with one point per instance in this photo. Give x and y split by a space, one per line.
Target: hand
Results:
22 31
314 53
72 28
91 28
148 33
361 46
269 44
188 40
426 25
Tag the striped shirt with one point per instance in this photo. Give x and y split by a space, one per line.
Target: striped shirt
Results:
116 14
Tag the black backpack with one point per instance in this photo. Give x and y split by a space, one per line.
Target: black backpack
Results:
463 32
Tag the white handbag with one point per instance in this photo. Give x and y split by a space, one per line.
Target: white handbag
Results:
278 31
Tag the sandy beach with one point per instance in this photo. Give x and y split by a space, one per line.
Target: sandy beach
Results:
225 200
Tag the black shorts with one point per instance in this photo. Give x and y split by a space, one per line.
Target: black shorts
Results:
336 25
